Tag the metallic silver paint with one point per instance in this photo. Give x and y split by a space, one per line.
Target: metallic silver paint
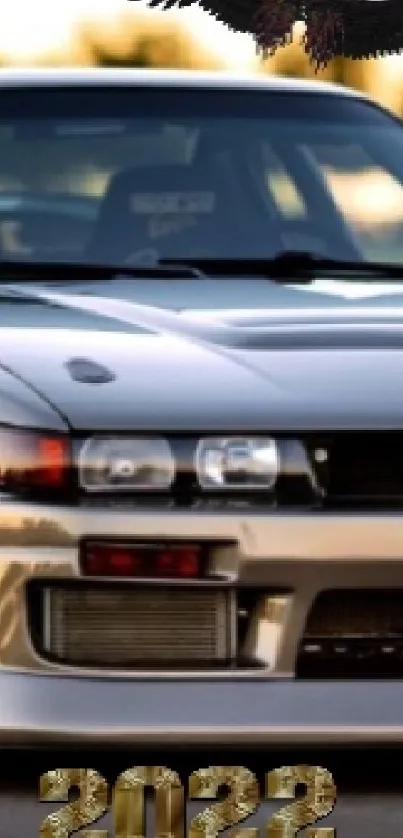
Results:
57 77
45 703
38 709
307 552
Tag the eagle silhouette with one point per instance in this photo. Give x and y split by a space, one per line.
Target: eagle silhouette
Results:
350 28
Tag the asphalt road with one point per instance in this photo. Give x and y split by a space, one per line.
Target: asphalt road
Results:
370 786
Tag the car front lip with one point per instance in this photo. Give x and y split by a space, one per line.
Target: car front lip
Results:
48 710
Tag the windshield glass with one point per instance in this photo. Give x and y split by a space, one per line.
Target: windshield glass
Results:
117 175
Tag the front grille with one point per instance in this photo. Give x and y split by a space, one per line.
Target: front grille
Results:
353 634
359 468
137 625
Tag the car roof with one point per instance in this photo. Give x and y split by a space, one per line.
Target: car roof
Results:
166 78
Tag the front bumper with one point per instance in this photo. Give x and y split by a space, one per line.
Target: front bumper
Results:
48 710
304 553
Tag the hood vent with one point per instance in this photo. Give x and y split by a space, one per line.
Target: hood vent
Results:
85 371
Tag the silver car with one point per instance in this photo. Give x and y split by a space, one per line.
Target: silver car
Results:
201 408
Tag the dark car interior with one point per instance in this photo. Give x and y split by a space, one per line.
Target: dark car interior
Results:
211 207
178 210
120 190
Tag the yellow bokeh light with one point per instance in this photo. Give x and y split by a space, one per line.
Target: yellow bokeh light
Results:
27 30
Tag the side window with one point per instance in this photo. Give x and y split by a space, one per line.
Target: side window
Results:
297 213
282 189
369 197
79 159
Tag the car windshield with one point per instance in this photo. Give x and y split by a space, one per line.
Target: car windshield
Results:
124 174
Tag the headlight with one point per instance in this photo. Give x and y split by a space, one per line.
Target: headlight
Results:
108 464
236 463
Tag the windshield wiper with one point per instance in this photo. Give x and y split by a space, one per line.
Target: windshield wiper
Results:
295 267
288 267
30 271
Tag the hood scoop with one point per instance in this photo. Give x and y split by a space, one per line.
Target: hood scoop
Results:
86 371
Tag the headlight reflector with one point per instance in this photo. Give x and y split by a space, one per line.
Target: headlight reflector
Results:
110 464
236 463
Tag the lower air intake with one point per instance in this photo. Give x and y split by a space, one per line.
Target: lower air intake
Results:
353 634
137 626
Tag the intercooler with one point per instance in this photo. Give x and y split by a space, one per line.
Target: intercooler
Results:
129 626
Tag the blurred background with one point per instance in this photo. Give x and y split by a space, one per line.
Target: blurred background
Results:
127 33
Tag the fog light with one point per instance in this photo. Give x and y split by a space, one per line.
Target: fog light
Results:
178 561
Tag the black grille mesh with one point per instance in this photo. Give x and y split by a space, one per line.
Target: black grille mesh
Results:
359 468
352 634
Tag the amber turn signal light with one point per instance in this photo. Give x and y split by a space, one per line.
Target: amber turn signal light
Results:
32 461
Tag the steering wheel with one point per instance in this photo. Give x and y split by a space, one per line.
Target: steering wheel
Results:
45 226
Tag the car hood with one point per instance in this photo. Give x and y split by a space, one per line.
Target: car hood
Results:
280 369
